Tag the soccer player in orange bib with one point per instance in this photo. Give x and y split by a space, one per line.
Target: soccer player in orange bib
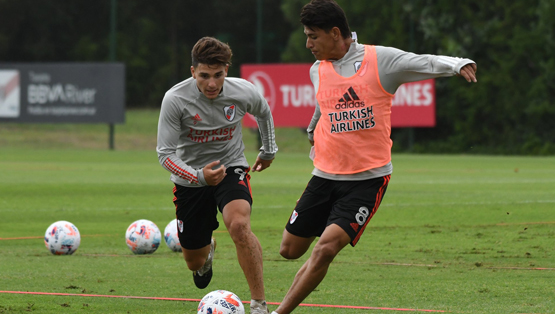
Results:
350 133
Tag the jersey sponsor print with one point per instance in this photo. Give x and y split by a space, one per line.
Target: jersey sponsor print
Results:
205 136
358 117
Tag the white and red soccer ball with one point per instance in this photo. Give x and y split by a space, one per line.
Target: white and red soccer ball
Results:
62 238
143 237
170 236
221 302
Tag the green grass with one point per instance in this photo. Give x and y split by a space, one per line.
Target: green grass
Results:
463 234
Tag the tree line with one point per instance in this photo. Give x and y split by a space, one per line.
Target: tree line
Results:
510 111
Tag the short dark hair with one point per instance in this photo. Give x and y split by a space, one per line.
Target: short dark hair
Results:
325 14
211 51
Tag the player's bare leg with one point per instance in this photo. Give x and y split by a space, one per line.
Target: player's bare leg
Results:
236 215
195 259
292 246
200 262
332 241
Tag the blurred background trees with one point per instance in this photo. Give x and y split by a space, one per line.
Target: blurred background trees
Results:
510 111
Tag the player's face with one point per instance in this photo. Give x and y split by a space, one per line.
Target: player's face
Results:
320 43
210 78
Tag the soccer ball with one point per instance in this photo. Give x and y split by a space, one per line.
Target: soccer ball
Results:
143 237
62 238
170 235
221 302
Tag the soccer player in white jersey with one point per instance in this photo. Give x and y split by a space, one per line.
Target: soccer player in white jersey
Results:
350 131
200 143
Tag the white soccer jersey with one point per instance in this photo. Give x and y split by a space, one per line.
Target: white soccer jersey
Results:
194 131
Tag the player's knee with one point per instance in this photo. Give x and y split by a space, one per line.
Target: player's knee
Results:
324 254
289 251
284 252
239 231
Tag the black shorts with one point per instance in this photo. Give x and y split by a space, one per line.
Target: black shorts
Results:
196 208
348 204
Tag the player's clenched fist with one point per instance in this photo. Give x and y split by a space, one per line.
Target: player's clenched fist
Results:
214 177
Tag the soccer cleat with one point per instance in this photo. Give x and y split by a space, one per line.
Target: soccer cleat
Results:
258 307
203 276
202 281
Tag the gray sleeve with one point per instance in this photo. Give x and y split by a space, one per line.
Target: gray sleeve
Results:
397 67
313 122
314 77
169 130
261 111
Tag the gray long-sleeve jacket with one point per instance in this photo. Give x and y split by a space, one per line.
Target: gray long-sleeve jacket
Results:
194 131
395 67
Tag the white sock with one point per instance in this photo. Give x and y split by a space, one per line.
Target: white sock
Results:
258 302
274 312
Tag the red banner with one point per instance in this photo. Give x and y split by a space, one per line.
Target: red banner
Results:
414 105
290 94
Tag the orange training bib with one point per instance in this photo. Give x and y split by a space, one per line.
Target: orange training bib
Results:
353 133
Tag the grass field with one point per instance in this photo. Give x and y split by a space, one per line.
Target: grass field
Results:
460 234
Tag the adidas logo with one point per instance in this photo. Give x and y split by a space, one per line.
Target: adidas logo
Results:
350 100
196 119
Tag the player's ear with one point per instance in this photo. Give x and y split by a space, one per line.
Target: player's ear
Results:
336 33
193 72
226 69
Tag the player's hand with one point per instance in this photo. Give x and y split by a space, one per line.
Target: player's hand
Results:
261 164
469 72
214 177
